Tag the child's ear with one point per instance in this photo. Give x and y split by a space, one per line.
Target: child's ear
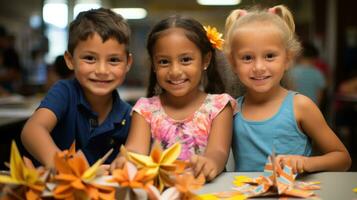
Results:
207 60
129 62
69 60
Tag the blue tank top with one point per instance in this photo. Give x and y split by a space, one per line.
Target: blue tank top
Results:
253 141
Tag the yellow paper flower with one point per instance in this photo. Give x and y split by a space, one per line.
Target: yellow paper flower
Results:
160 164
75 177
214 37
23 174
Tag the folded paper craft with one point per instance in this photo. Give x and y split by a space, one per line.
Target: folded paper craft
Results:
24 181
75 179
160 164
276 180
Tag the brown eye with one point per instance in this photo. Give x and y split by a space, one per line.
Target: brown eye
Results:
270 56
89 59
186 60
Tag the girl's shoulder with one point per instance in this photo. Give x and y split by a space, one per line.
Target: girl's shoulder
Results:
147 105
219 101
302 102
151 103
304 107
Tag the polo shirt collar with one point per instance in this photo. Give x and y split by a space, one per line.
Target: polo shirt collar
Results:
119 109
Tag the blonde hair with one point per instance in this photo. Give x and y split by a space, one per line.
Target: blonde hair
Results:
279 15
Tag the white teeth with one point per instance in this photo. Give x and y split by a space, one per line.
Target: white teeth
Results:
259 78
177 82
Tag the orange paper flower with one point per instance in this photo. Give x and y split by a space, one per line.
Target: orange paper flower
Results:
214 37
186 183
75 179
28 181
131 177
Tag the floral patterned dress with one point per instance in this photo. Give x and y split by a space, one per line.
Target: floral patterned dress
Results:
191 132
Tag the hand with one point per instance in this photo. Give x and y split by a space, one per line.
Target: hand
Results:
205 166
104 169
119 162
297 162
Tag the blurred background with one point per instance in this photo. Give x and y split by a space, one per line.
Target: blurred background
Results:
33 38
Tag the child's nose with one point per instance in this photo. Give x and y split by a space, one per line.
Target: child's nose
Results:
101 68
175 70
259 66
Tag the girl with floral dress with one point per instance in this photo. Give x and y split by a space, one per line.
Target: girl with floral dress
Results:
185 103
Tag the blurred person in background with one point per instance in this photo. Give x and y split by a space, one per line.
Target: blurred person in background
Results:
57 71
10 67
305 77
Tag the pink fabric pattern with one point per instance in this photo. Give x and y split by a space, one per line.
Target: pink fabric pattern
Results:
191 132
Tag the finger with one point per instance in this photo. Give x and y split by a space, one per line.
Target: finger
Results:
211 175
199 165
280 161
294 166
104 169
300 166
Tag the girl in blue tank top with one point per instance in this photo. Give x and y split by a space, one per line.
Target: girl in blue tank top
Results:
261 45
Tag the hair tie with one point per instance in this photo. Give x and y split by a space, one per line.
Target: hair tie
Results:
242 13
272 10
214 37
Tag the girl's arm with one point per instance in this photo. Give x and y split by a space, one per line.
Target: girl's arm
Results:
36 136
219 141
138 140
139 135
335 156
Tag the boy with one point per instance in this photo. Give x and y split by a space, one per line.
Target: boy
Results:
86 109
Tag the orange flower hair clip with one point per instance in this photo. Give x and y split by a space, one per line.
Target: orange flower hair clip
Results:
214 37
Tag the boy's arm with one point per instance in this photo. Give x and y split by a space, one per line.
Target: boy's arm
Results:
36 136
217 151
334 155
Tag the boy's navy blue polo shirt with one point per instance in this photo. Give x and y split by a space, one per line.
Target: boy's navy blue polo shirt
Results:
76 121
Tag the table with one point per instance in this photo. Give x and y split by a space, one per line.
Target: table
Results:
334 185
16 108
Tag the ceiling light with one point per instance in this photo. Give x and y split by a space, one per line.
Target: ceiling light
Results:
55 14
218 2
131 13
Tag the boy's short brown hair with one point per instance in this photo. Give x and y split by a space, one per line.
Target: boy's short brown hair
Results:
102 21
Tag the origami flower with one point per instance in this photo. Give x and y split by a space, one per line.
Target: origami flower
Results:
24 177
75 179
131 177
160 164
186 183
276 180
214 37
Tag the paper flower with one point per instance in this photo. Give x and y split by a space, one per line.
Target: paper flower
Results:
160 164
276 180
214 37
171 193
183 188
24 177
76 180
131 177
186 183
